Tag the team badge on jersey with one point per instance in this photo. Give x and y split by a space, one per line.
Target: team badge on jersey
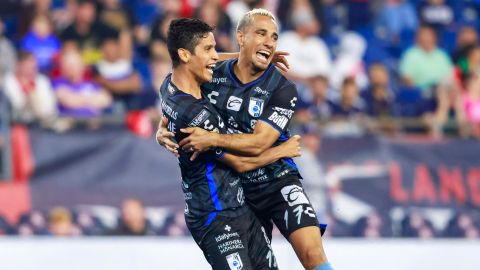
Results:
255 107
234 261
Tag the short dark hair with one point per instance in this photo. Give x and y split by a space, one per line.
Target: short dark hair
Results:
185 33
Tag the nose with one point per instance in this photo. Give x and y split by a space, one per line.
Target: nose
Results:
215 55
269 42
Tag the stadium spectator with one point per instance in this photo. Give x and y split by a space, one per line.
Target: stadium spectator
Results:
212 13
309 56
415 225
471 105
370 226
378 97
236 8
116 73
30 94
349 61
312 170
61 14
424 65
313 100
132 221
78 97
462 225
349 103
437 14
466 38
120 18
397 16
60 223
449 111
8 53
41 42
158 36
86 32
32 223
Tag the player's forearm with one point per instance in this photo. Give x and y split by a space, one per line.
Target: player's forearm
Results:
241 144
227 56
243 164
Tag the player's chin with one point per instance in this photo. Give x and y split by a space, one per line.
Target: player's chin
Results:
260 66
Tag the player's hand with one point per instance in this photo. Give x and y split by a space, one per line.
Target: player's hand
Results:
165 138
198 141
280 61
291 148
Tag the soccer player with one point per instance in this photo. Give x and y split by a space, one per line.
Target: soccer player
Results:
226 230
258 102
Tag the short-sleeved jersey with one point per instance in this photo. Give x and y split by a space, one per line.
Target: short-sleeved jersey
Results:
210 187
271 98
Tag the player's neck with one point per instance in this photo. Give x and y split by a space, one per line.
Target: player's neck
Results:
185 81
245 71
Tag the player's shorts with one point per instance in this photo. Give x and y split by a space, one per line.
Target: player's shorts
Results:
236 243
285 203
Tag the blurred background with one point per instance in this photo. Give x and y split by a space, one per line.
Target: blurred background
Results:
388 108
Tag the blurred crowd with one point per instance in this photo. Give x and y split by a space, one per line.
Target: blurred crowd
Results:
134 219
384 66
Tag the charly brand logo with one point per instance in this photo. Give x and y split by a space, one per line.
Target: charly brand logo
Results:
293 101
294 195
234 103
212 96
255 107
234 261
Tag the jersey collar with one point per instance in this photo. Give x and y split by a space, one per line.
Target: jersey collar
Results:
238 82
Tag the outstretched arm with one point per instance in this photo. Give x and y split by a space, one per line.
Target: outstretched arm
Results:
271 125
290 148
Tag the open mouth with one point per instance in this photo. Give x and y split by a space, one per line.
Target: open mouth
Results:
210 68
263 55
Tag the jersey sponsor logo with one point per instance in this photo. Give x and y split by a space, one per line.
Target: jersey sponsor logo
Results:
226 236
255 107
186 210
234 103
234 261
168 110
187 196
278 119
212 96
200 118
185 185
293 101
261 91
171 127
286 112
219 80
171 89
294 195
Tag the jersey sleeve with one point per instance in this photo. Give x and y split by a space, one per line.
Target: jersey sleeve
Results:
280 108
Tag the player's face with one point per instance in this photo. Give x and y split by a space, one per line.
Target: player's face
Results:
204 59
260 41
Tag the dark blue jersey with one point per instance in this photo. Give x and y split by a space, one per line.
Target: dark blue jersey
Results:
210 187
271 98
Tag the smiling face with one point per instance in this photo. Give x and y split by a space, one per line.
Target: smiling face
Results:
258 41
203 59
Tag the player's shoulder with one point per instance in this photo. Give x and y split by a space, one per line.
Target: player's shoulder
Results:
283 81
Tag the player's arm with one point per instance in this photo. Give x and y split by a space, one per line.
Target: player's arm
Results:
241 164
279 59
272 124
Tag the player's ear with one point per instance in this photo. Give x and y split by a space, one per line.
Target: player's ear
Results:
184 55
240 38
